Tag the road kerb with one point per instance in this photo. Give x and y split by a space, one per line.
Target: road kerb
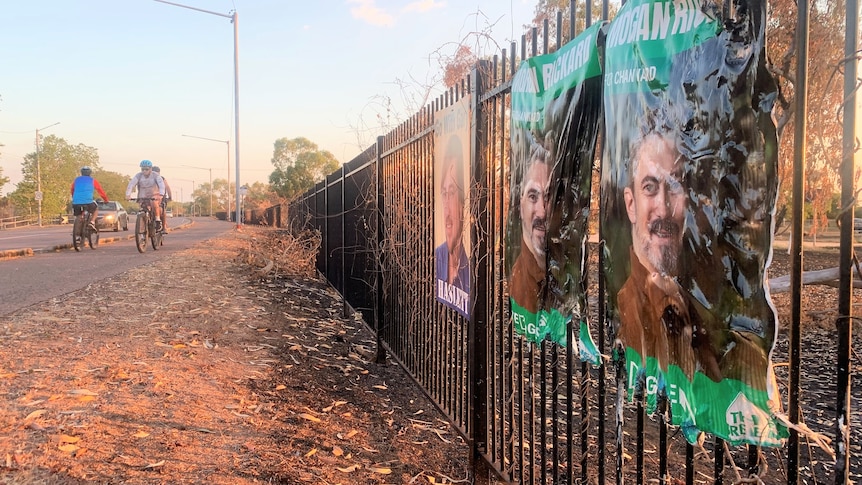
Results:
24 252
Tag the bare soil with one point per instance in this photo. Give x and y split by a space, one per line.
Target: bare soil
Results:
229 377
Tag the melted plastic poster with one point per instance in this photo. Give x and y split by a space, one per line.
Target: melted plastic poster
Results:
689 187
556 114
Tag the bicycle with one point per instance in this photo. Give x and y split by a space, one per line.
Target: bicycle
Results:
145 226
81 230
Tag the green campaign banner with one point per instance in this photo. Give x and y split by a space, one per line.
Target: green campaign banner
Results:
689 187
556 114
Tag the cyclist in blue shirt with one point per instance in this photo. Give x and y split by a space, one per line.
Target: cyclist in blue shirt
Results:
83 189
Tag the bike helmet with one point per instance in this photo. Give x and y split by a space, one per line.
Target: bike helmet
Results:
156 169
86 170
146 164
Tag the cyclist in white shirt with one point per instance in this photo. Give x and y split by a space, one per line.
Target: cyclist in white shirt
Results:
149 184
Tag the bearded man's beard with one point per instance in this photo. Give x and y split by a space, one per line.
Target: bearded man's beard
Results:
666 259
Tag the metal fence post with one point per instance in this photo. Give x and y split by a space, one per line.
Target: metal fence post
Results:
799 149
844 322
345 307
477 336
380 254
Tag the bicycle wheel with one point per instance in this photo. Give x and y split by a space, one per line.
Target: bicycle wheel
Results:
93 238
141 232
77 233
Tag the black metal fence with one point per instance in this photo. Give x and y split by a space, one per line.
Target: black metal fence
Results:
536 413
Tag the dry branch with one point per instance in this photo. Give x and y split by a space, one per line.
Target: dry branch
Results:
280 252
826 277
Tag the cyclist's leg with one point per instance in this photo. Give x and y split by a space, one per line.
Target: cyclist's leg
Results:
157 209
94 210
78 211
163 206
147 206
161 212
154 213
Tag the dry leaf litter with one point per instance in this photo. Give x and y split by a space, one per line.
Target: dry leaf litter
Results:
244 371
241 371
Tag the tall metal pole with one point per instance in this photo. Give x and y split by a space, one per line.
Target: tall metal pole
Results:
211 192
228 177
226 142
39 194
844 322
799 159
211 180
234 18
235 21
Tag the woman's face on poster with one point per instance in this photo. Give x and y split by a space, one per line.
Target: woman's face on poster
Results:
453 207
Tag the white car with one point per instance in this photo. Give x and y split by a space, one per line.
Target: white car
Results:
112 216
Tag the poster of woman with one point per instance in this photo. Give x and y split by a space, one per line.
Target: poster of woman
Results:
451 206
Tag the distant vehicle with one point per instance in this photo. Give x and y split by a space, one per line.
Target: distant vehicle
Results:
857 224
169 213
112 216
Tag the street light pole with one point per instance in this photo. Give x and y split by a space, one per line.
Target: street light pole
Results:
226 142
39 194
211 185
182 197
234 19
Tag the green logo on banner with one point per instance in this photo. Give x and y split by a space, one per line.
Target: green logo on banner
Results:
555 327
728 408
645 36
544 78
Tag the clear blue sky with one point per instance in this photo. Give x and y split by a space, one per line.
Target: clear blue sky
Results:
130 77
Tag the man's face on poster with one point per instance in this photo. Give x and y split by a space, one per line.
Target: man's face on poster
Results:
655 201
453 206
534 200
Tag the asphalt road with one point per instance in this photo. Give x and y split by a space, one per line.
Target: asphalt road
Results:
27 280
48 237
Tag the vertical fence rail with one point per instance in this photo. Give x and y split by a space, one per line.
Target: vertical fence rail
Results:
534 414
477 330
796 238
844 324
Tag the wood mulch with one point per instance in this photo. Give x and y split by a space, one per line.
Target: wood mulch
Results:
222 378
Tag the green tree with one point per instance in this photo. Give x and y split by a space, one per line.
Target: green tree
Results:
299 164
220 196
260 196
825 95
3 180
222 192
58 165
113 183
201 199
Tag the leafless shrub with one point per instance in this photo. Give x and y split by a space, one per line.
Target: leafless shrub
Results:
282 253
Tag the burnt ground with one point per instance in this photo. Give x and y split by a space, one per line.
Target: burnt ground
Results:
240 374
229 378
